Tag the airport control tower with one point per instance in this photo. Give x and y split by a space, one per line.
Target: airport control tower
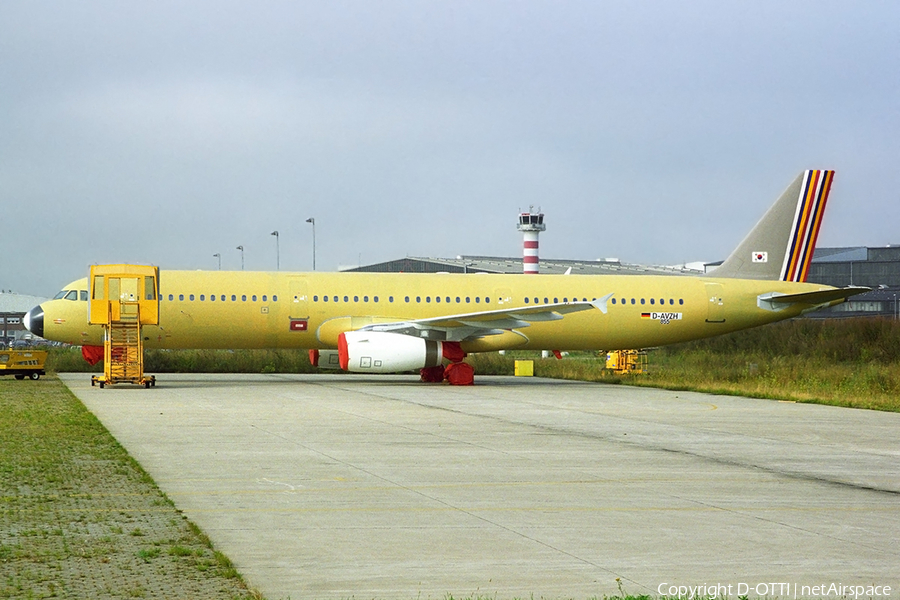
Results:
530 224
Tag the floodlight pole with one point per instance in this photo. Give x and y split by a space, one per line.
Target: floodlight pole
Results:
241 248
277 252
313 221
219 256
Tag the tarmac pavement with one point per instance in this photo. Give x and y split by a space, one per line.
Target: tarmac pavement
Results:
339 486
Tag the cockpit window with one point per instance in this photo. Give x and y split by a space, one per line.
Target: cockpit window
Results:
72 295
61 295
83 295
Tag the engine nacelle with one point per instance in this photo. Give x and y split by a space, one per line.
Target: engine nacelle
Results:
382 352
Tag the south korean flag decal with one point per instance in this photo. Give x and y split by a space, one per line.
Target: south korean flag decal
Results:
760 257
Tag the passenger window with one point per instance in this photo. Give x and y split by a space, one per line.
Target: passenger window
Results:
212 297
437 298
671 301
234 298
613 300
335 299
457 299
487 299
265 298
565 299
365 298
191 297
418 298
325 298
467 300
681 301
356 298
253 297
652 301
448 299
171 297
642 300
346 299
546 301
556 301
407 298
526 300
181 297
477 299
202 298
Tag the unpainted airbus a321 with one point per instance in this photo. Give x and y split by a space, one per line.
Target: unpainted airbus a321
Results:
397 322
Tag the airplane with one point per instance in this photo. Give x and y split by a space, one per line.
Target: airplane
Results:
399 322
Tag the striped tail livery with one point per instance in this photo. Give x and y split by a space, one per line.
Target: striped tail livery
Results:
781 246
808 217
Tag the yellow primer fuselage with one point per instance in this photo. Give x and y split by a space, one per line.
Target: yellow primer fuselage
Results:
289 310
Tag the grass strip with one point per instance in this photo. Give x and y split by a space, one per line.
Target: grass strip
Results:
79 518
852 363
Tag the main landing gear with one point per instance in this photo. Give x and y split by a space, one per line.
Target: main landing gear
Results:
456 373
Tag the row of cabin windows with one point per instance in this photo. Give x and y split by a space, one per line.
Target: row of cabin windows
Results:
437 299
73 295
478 299
652 301
222 297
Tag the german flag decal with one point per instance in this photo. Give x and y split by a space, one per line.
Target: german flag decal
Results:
805 229
298 324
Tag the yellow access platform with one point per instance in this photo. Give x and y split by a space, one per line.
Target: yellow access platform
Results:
622 362
124 298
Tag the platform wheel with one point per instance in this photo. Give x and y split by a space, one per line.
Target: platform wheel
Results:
20 376
35 376
102 383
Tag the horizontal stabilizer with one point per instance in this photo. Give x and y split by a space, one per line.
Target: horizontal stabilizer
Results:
776 301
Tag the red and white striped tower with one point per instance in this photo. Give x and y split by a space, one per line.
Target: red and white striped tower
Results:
531 224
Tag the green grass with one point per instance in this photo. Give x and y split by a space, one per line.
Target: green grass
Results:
852 362
80 518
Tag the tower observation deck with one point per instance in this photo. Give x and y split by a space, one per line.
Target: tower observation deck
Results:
531 223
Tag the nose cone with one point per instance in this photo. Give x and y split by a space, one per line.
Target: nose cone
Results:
34 321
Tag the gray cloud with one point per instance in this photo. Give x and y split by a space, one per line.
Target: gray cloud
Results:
652 132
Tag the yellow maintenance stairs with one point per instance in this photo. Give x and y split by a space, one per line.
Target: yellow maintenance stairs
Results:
124 298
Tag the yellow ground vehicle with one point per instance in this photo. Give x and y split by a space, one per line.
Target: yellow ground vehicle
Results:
23 363
626 361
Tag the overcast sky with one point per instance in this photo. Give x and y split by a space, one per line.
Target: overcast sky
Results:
165 132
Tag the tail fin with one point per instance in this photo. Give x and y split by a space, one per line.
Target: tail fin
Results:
781 245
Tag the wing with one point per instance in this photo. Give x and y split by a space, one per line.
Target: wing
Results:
473 325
